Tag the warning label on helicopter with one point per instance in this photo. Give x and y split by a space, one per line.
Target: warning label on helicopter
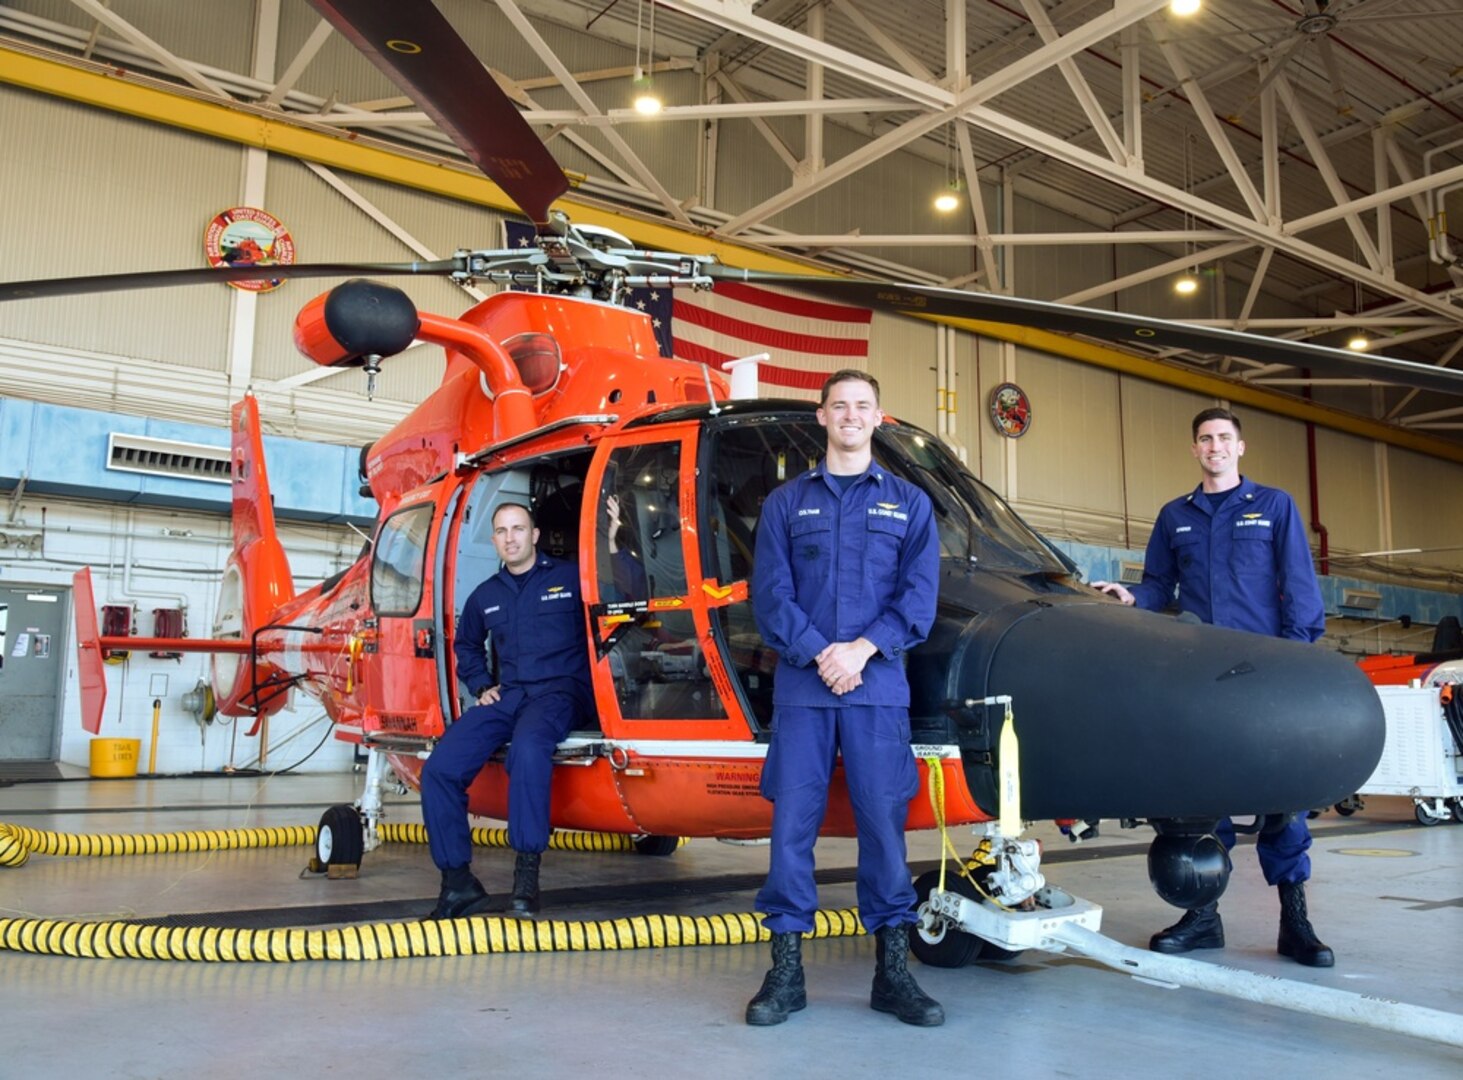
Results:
735 782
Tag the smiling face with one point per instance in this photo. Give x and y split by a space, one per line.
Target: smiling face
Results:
850 413
1218 448
514 538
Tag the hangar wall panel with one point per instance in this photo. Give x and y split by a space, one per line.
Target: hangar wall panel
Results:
1070 457
902 357
1426 510
86 190
1347 474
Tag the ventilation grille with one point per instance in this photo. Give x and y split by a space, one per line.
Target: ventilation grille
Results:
1360 599
1130 573
167 457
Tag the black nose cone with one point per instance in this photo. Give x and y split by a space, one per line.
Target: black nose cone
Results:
1125 713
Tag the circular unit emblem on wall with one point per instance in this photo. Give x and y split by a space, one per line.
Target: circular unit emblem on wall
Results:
1010 410
245 236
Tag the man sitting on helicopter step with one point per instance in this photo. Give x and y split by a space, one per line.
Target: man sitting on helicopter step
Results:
532 614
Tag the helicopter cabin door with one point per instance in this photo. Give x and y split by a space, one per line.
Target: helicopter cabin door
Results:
403 694
662 691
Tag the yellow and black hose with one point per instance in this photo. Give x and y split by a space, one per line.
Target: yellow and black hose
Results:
17 841
476 936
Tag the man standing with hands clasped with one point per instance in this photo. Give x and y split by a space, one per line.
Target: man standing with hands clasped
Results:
1238 553
846 574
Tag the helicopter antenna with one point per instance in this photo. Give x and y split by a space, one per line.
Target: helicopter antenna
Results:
710 393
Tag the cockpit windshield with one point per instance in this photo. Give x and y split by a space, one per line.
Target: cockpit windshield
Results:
975 523
751 456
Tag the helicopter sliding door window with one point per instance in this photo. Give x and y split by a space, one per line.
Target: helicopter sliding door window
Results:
746 460
398 560
654 650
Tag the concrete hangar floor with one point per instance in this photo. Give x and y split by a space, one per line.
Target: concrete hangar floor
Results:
1387 895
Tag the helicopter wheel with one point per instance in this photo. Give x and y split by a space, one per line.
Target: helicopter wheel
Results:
341 839
956 948
659 846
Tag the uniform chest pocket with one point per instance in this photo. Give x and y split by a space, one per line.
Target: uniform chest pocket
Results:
885 537
1186 548
1253 551
812 539
495 620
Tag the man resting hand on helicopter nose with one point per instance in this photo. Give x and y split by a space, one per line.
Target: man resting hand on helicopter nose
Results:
847 568
532 613
1237 553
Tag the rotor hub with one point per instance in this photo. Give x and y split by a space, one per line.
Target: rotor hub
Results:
1317 25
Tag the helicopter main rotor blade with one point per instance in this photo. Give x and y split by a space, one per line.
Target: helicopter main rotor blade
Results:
161 279
416 47
1114 326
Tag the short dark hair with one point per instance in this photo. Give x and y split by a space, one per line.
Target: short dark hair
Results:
848 375
532 522
1216 414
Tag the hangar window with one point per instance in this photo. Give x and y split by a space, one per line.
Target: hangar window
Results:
400 555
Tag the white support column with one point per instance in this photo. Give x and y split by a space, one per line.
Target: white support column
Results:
812 163
1008 446
1384 213
255 171
1132 98
710 133
1270 149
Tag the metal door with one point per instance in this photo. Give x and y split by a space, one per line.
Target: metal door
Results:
32 640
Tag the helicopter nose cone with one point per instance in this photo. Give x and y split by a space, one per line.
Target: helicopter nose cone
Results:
1126 713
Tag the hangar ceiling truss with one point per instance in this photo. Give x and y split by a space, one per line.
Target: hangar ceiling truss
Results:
1302 151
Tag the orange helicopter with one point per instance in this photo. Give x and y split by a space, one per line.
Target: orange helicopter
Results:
559 396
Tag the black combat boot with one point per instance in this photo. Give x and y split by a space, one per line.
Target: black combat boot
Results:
525 884
895 990
462 894
1200 928
1297 940
783 990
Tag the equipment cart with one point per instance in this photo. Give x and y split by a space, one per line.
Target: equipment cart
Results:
1422 758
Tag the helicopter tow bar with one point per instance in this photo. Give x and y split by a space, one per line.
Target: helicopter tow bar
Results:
1061 923
1019 911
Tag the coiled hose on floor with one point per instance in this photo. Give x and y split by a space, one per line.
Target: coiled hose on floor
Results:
475 936
17 842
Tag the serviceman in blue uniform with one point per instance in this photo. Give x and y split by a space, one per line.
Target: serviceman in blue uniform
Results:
532 613
845 578
1237 552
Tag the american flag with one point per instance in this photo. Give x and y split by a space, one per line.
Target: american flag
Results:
807 339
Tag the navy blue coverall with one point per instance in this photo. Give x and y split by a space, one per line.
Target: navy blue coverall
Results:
1245 565
831 567
536 625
